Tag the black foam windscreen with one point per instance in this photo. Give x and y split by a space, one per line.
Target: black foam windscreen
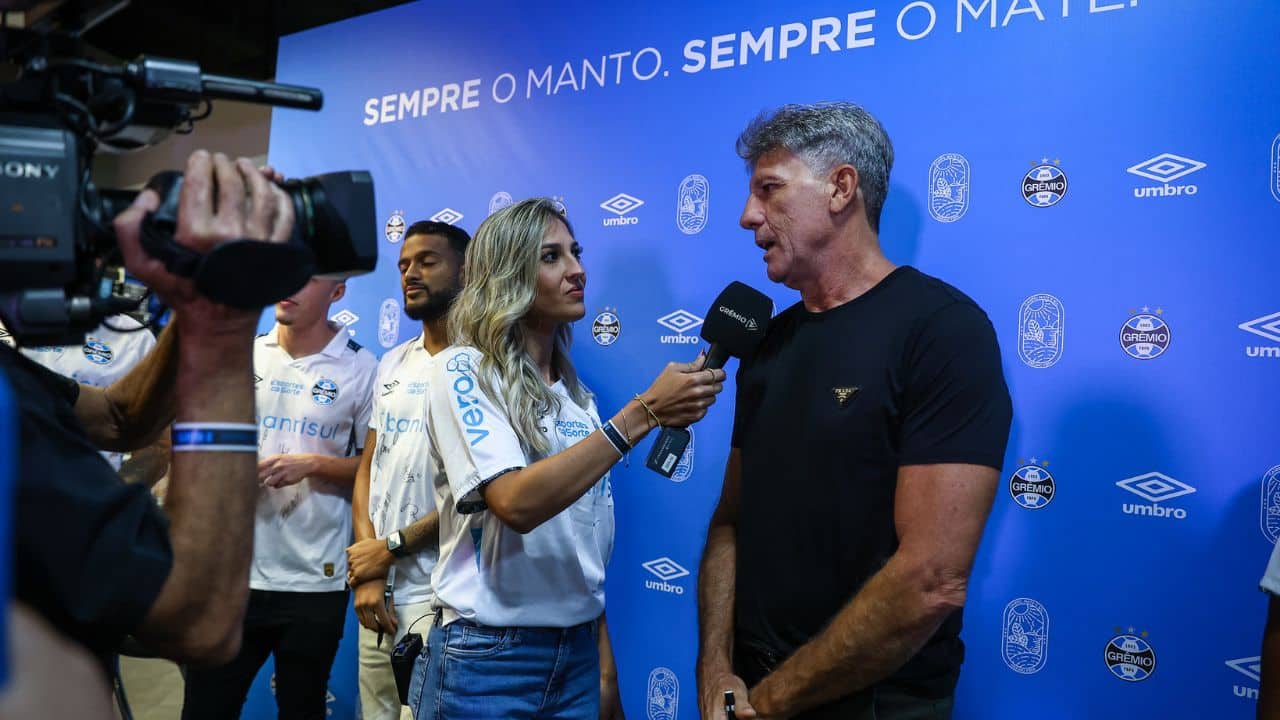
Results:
737 319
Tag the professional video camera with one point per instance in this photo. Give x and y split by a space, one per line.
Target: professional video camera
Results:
58 253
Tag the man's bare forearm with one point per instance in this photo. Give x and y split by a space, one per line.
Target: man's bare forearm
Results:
211 498
148 465
424 534
716 579
361 525
877 632
133 411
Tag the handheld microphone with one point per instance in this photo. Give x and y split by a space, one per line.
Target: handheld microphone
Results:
735 324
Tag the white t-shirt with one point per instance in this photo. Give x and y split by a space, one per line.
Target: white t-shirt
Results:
317 404
106 356
489 573
402 472
1271 580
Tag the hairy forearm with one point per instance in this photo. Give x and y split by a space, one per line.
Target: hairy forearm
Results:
715 602
885 624
133 411
423 534
148 465
210 502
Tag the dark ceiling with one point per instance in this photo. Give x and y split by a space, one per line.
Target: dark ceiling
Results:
226 37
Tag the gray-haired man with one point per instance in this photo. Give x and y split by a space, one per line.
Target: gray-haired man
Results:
869 432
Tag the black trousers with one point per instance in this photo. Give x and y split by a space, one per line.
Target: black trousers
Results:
752 664
302 630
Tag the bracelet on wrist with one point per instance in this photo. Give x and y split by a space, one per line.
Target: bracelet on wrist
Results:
214 437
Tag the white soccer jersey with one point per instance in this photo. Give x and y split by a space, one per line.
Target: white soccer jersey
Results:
106 356
316 404
489 573
401 474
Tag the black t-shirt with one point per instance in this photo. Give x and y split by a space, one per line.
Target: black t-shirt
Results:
828 409
90 552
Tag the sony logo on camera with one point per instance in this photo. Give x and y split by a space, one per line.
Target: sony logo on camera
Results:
21 170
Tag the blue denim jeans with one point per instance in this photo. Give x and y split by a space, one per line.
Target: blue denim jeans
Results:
475 672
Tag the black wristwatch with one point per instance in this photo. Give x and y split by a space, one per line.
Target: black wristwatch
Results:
395 545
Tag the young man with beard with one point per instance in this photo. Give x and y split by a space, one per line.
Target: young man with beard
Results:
313 387
393 508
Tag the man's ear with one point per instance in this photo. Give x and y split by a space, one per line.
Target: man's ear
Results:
844 185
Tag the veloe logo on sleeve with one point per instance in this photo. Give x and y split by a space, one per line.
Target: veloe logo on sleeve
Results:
469 406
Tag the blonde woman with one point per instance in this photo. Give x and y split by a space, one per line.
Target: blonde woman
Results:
526 511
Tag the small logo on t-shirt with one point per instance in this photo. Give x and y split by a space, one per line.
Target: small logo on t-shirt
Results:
573 429
844 394
328 569
388 388
324 392
97 352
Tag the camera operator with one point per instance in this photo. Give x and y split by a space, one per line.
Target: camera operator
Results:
94 556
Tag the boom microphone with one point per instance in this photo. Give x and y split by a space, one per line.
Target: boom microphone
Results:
734 326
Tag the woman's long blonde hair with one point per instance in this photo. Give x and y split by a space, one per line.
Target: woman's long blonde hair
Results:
501 281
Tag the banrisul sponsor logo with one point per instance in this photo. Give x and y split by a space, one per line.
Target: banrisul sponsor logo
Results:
1146 334
948 187
1246 667
606 327
1157 489
1032 486
1041 331
1166 168
665 570
1130 656
463 384
1268 328
1045 184
681 321
1270 513
621 205
1024 636
662 695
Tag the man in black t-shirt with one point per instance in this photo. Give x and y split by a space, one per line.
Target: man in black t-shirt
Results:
869 432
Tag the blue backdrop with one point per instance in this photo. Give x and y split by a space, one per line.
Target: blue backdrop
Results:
1103 177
